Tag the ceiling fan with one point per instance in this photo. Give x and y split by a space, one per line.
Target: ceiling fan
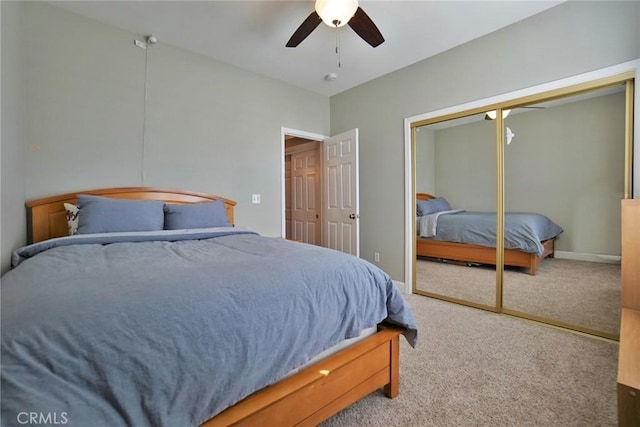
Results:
491 115
336 13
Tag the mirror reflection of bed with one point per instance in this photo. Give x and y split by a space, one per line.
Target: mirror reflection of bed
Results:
576 280
469 237
477 193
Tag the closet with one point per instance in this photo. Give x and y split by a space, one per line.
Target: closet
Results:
565 154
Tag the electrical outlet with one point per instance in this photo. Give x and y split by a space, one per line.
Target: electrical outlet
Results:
256 199
376 256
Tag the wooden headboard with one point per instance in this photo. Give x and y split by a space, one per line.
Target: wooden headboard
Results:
46 218
424 196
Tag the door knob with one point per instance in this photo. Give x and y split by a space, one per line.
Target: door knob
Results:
354 216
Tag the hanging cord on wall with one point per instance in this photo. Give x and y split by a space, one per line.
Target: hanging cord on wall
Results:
151 40
144 118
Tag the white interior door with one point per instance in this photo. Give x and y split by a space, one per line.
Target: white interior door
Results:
341 207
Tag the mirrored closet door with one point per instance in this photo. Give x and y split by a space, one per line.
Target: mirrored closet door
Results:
544 176
564 179
455 166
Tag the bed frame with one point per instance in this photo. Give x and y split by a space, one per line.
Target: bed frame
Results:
305 398
479 254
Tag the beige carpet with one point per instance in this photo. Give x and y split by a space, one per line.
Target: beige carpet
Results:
576 292
477 368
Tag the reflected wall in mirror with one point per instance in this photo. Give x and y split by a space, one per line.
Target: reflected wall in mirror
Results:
565 164
455 163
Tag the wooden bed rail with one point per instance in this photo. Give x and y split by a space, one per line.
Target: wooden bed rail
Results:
324 388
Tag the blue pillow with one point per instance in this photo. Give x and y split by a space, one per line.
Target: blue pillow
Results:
428 207
442 204
105 215
197 215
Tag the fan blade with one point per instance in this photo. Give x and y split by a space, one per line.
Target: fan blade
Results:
365 28
304 29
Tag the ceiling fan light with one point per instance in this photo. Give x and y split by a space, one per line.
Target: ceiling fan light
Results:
491 115
336 13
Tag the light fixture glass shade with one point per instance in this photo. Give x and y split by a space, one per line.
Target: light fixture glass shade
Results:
336 13
491 115
510 135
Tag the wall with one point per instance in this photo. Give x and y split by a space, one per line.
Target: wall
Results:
465 165
570 160
425 161
569 39
564 162
209 126
85 109
14 139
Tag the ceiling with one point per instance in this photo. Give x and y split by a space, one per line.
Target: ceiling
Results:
252 34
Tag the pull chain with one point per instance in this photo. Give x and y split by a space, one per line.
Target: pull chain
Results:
338 47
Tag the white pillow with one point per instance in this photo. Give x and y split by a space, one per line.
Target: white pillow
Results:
73 213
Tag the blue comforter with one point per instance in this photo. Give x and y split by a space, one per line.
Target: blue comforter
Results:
522 231
169 330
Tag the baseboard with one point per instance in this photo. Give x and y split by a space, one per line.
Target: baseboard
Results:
578 256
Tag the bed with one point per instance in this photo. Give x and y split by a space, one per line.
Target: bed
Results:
470 236
187 326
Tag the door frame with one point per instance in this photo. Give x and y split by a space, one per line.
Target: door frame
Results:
284 131
492 103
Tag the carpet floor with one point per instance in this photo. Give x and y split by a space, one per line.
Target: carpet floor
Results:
476 368
576 292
